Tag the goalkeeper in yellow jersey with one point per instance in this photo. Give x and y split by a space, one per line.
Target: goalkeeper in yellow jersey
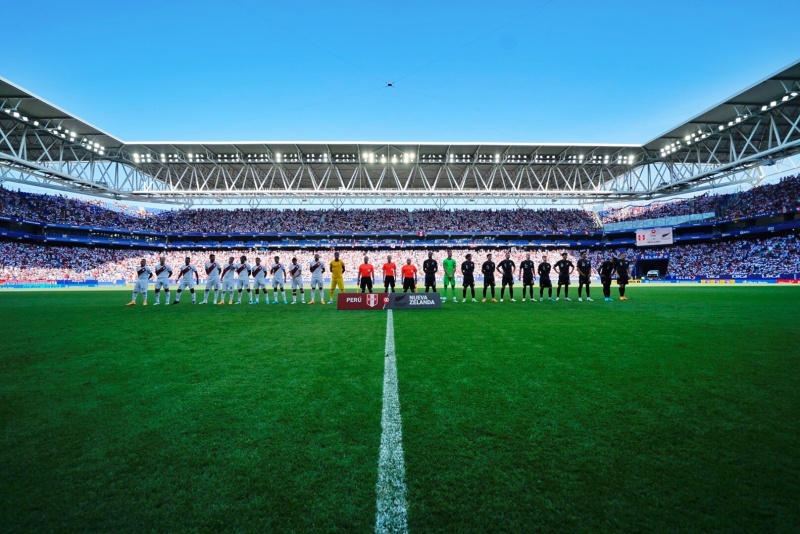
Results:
337 275
449 265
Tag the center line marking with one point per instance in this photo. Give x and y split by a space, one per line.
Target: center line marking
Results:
392 510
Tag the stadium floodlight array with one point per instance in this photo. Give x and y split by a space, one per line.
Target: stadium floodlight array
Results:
704 133
59 131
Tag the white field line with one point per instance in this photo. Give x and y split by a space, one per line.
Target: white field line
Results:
392 513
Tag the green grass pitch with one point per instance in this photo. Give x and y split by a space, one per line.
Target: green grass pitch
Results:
678 410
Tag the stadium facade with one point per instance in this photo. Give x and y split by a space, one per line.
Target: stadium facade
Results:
741 140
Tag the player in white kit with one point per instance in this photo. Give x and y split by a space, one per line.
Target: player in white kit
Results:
259 274
213 270
296 274
278 272
188 277
243 281
316 268
163 273
143 275
228 280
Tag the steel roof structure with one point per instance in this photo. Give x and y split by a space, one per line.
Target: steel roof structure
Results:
40 144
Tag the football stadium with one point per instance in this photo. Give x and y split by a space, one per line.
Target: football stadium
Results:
200 335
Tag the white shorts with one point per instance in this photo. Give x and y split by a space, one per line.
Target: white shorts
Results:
297 283
277 283
316 283
260 284
212 283
140 286
241 283
186 282
228 285
162 284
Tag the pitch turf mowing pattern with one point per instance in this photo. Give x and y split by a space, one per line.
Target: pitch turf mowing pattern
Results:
187 417
677 410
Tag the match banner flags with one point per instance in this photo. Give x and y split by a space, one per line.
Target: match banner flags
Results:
653 237
414 301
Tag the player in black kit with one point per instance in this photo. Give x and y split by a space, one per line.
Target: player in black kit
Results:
564 268
507 268
488 268
544 279
623 274
526 266
430 267
468 271
606 270
584 276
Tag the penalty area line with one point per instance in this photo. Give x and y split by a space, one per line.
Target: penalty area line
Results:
392 511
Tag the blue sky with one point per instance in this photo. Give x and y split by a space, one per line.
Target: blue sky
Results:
505 71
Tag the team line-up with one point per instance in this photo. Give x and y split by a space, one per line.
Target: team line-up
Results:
233 278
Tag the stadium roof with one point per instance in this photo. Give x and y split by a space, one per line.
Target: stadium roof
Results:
729 143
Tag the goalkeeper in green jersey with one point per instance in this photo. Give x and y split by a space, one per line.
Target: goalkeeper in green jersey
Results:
449 265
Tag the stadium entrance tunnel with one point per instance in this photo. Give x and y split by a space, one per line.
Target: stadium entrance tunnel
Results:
644 266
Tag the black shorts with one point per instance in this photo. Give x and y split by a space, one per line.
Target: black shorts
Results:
544 281
623 280
488 282
563 281
508 280
584 280
605 281
430 280
366 283
408 283
527 280
388 281
469 281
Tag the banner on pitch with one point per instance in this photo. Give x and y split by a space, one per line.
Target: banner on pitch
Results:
414 301
653 236
362 301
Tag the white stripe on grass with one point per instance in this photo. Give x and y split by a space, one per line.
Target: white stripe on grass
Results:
392 514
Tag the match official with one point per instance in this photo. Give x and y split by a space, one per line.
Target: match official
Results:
409 273
366 276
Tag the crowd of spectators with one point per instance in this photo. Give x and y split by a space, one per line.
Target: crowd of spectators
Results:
363 220
496 221
767 257
96 213
784 195
21 261
64 210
